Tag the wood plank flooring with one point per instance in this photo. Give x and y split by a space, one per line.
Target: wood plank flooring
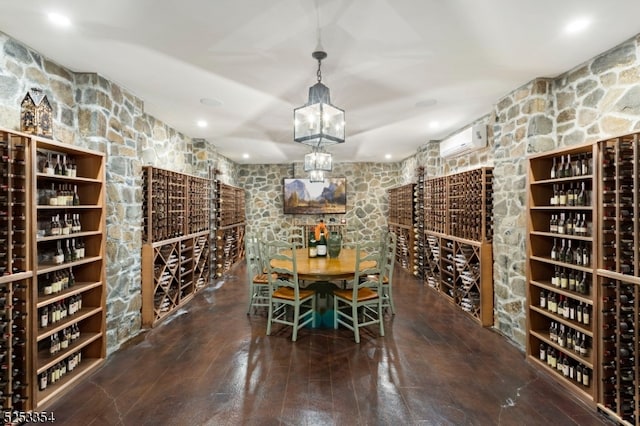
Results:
211 364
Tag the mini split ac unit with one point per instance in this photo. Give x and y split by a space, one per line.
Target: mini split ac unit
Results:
470 139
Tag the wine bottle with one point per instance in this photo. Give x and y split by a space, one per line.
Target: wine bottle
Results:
562 196
75 197
53 196
561 168
581 199
322 245
586 165
48 169
554 250
570 196
63 167
555 198
58 168
564 281
553 168
568 170
561 223
58 255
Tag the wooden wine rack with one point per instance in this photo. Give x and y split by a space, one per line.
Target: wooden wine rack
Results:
26 265
435 205
176 253
419 243
457 232
230 227
619 209
401 222
558 286
179 268
461 271
619 277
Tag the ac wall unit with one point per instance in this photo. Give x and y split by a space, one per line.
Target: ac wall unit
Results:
470 139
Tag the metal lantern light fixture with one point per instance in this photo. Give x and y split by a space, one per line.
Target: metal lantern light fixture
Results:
318 160
316 176
318 123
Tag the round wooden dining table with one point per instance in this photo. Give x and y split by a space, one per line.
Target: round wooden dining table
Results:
321 274
323 268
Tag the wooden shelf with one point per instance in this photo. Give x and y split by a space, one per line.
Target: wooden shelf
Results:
28 189
227 244
555 200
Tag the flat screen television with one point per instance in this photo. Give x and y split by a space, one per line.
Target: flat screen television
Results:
301 196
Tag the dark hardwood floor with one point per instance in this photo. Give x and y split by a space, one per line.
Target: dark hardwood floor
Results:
211 364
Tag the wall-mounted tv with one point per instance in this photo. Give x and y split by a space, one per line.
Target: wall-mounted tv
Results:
301 196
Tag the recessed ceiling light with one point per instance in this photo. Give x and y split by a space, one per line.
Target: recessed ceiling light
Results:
59 20
245 155
577 25
387 156
426 103
211 102
202 123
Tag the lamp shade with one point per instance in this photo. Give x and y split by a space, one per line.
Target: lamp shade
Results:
318 123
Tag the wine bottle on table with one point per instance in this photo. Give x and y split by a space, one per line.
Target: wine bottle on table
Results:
312 245
322 245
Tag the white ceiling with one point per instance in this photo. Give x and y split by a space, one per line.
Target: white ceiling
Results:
458 57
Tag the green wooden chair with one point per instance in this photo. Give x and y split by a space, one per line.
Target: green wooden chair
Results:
285 293
361 305
256 276
388 262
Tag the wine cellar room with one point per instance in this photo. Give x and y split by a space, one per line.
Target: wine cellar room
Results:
120 221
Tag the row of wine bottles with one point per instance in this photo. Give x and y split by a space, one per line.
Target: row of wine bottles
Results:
58 371
63 195
63 339
566 307
69 224
569 368
55 164
567 337
580 166
55 282
580 255
569 224
571 280
573 196
74 249
60 310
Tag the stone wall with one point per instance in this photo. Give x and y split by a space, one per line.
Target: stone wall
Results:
94 113
367 200
595 100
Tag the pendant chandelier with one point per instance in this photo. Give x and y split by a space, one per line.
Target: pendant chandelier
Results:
316 176
318 160
318 123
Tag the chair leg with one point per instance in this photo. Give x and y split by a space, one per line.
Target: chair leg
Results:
335 313
380 319
393 306
296 322
250 299
313 311
356 323
270 318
